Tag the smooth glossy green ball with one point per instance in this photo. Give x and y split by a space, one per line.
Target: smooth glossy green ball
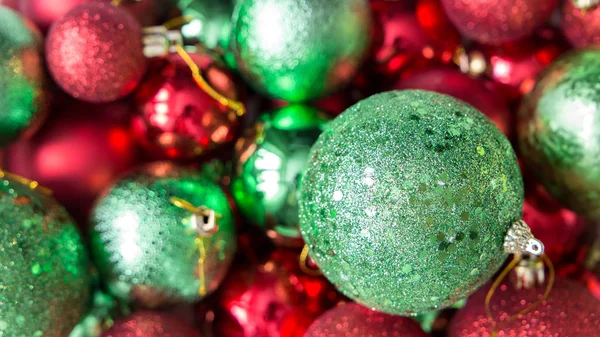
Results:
559 131
45 280
407 199
147 248
269 161
298 50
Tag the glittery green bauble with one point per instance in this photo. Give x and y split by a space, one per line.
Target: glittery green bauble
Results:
147 249
22 100
44 270
407 199
269 161
299 50
559 131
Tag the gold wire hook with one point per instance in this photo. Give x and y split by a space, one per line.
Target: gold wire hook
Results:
32 184
303 259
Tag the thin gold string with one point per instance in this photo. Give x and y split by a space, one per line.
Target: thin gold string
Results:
34 185
498 281
304 263
178 21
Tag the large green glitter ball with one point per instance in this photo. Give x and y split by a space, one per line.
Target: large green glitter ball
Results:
45 280
407 199
298 50
269 161
559 131
147 248
22 98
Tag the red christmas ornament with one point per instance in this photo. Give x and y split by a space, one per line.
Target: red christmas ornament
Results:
354 320
176 119
14 4
95 52
443 37
479 93
77 153
498 21
581 26
151 324
274 299
44 12
570 310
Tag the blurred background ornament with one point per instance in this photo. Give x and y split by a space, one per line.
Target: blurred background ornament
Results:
443 36
152 324
559 131
23 95
95 52
270 158
14 4
581 25
300 51
46 282
105 309
162 235
176 118
44 12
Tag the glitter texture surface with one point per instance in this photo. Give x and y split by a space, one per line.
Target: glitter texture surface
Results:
95 52
353 320
407 199
22 99
146 248
559 131
581 26
44 270
497 21
298 50
570 311
152 324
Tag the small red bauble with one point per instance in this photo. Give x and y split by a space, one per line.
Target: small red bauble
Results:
354 320
44 12
581 26
95 52
152 324
178 120
443 37
498 21
570 310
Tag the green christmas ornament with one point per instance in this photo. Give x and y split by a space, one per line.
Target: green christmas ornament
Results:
407 200
22 98
45 277
559 131
269 161
298 50
163 234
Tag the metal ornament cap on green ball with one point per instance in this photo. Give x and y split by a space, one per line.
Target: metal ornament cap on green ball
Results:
411 201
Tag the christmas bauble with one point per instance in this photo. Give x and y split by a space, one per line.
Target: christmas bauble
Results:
78 152
581 25
95 52
14 4
406 201
559 131
569 311
105 309
22 96
45 272
176 119
44 12
269 161
443 37
152 324
498 21
163 234
210 22
353 320
300 51
481 94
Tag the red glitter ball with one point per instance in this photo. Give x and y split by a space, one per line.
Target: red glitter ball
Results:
353 320
151 324
569 311
581 27
498 21
95 52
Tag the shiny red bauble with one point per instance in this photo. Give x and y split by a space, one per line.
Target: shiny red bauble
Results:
151 324
178 120
95 52
570 310
498 21
443 36
354 320
581 26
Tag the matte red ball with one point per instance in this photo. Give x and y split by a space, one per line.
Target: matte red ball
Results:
78 152
152 324
95 52
14 4
581 27
570 311
178 120
498 21
481 94
354 320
